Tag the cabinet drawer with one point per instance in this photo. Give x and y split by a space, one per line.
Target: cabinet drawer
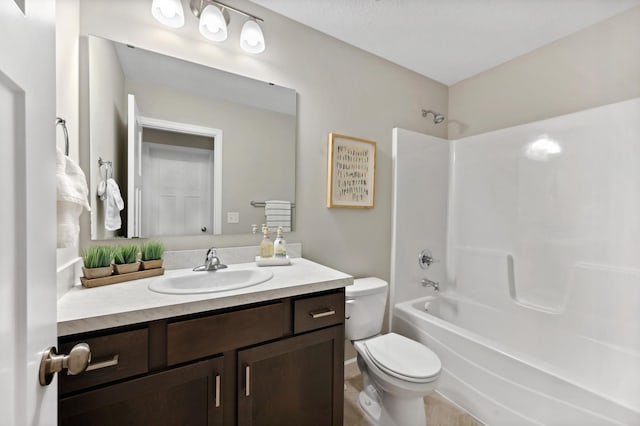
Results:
113 357
317 312
203 337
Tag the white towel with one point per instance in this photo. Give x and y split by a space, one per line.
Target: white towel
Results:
113 203
72 192
278 213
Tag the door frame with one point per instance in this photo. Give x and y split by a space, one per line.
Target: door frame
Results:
192 129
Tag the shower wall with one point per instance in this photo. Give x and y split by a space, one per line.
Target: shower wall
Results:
545 215
559 199
421 185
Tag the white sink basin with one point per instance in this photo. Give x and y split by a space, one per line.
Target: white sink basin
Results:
191 282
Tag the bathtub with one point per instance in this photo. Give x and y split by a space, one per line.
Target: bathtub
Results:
523 367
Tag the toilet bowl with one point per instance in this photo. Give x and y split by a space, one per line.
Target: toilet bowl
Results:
397 372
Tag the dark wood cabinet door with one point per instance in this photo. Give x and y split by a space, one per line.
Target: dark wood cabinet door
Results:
189 395
295 381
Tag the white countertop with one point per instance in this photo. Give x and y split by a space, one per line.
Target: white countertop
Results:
88 309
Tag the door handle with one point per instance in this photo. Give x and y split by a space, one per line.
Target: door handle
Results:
76 362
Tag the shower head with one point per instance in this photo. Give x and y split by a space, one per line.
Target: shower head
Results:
437 117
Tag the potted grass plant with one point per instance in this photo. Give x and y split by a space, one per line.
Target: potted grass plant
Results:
97 261
125 259
151 252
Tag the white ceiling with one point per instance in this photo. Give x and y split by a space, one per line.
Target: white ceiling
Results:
448 40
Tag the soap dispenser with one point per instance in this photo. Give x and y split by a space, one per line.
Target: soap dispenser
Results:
266 246
279 245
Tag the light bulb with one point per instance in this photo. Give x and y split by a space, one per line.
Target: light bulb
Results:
168 12
213 24
251 37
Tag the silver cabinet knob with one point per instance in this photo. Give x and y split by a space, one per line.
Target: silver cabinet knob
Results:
76 362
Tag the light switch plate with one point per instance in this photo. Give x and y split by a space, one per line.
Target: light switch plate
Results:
233 217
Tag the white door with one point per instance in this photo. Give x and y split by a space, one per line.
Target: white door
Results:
28 211
177 190
134 167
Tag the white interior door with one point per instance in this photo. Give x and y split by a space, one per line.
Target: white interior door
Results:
27 215
177 190
134 172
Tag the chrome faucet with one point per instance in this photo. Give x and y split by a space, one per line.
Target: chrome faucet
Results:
426 282
211 262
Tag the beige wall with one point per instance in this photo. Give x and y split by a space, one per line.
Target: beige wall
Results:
340 89
596 66
108 118
67 88
345 90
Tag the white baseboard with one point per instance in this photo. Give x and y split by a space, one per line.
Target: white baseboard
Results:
351 369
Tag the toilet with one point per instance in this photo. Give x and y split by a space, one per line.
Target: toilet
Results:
397 372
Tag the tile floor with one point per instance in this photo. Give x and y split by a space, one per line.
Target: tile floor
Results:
439 411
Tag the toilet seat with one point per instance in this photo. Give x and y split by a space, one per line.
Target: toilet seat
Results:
403 358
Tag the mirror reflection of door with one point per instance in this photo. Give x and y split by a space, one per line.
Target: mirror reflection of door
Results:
134 168
177 190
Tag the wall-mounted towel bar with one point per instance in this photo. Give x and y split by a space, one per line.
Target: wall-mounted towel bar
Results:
262 204
62 122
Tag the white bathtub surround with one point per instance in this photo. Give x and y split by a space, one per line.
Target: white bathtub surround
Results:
539 319
504 375
420 192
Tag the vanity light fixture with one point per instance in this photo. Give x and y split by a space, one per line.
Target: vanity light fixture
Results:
168 12
213 23
214 18
251 37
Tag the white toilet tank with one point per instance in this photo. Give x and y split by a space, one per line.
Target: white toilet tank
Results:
364 312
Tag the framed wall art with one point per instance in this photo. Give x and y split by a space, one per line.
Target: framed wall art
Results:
352 172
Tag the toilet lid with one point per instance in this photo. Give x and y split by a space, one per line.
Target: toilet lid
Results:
403 358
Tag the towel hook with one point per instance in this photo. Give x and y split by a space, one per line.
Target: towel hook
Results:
108 167
62 122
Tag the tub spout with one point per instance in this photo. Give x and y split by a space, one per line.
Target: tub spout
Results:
426 282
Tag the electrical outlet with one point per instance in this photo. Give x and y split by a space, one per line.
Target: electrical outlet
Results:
233 217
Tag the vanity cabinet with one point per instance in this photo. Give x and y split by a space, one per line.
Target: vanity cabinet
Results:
275 363
292 381
180 396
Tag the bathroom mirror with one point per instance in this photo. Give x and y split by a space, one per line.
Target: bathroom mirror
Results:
189 146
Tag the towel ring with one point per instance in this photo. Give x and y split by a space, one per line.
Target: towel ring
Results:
108 168
62 122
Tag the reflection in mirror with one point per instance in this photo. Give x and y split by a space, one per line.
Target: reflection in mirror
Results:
191 146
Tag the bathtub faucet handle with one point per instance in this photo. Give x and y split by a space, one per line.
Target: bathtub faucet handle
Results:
426 282
425 259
